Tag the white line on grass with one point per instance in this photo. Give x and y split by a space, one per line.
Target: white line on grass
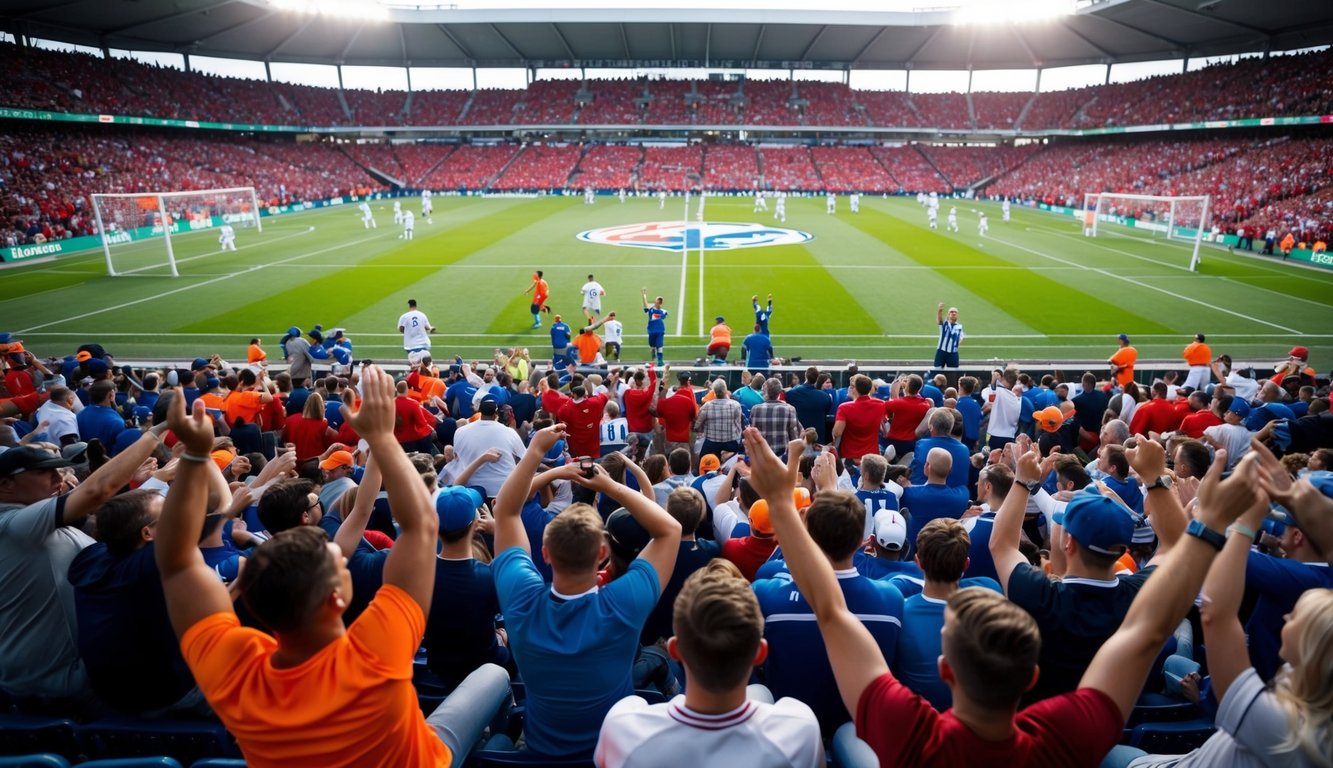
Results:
1132 281
680 310
701 290
1085 240
305 231
991 337
182 289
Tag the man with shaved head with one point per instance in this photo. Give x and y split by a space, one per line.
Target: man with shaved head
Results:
935 499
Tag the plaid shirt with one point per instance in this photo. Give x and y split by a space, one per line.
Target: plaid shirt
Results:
720 420
777 422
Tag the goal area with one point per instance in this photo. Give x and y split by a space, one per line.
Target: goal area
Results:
151 233
1180 218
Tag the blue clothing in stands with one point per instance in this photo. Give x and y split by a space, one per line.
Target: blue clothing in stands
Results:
225 561
927 502
1279 582
758 349
962 460
458 396
1128 490
295 399
460 627
101 422
971 412
813 408
1267 412
577 654
933 394
534 519
980 562
916 662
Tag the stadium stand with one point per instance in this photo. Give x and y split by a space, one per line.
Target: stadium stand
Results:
667 167
852 169
471 166
910 168
789 168
438 107
943 110
613 103
376 107
547 102
608 166
492 106
731 167
539 167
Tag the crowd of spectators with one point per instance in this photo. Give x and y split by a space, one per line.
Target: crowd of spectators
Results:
548 102
376 107
918 569
731 166
437 107
492 106
965 166
852 169
942 110
667 167
831 104
910 168
789 168
608 166
998 110
540 167
889 109
471 166
613 103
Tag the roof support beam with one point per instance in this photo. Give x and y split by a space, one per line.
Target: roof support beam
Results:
164 17
351 40
813 40
673 41
930 39
1105 53
272 51
758 41
234 27
1023 41
866 48
1178 44
624 40
507 42
1210 17
563 41
457 43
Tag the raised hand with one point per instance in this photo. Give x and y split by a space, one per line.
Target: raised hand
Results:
1148 459
195 430
769 477
375 418
545 439
1029 466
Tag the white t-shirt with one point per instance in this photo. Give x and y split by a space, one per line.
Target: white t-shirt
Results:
1246 388
613 330
636 734
414 325
365 210
60 421
1004 413
615 434
1234 437
409 219
472 440
592 293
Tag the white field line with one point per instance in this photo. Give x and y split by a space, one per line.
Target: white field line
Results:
701 287
1164 337
305 231
680 308
182 289
1132 281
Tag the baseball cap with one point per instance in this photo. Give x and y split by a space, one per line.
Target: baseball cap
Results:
26 457
718 319
709 462
1097 523
1049 418
83 356
683 376
1239 407
626 537
222 458
800 497
1123 338
456 507
97 366
488 406
213 381
759 520
890 529
198 363
337 459
1300 352
294 331
75 453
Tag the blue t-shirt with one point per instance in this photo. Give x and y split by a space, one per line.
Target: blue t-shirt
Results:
980 562
535 518
1128 490
295 399
225 561
927 502
958 472
915 663
1279 582
758 351
333 410
692 556
559 335
100 422
458 396
656 318
971 412
460 628
577 655
1265 413
813 407
798 663
933 393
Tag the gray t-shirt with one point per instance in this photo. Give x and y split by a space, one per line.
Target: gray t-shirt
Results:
333 491
39 651
1250 725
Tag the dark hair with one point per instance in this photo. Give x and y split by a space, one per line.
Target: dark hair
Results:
1193 454
284 503
100 391
679 461
288 577
942 547
836 521
121 519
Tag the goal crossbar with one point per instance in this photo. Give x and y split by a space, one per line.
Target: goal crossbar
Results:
165 222
1094 204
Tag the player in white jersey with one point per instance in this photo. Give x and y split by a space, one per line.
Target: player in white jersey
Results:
661 199
920 198
367 218
953 219
397 212
613 336
933 215
1004 210
982 226
416 329
780 208
409 221
589 196
427 207
592 299
622 195
760 202
832 204
227 237
855 202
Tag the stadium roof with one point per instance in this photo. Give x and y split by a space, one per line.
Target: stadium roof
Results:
655 35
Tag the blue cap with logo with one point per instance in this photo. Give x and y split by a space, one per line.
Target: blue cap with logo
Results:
1239 407
456 507
1097 523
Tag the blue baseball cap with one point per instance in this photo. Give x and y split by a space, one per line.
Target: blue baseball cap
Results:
1097 523
1239 407
456 507
293 331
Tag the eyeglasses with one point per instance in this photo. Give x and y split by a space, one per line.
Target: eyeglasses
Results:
313 504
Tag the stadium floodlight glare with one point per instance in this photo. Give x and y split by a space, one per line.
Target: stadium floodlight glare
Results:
342 9
1011 11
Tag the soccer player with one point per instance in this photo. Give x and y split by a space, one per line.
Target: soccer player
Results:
426 206
780 210
661 199
982 226
227 237
719 340
760 204
656 325
589 197
762 313
539 290
953 218
367 218
855 202
614 336
409 221
951 337
831 205
415 329
397 212
621 195
933 215
1004 211
592 299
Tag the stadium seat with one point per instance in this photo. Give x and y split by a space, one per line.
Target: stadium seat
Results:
43 760
1120 756
185 740
1175 738
218 762
498 751
22 734
134 762
850 751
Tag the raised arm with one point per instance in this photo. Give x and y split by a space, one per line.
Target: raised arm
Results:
641 479
193 591
939 314
852 651
410 565
1121 666
489 456
509 531
1161 503
665 531
354 523
1223 589
112 476
1008 523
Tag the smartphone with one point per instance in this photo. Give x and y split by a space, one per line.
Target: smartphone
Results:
585 466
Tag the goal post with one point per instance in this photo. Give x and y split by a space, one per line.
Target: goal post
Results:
141 232
1183 218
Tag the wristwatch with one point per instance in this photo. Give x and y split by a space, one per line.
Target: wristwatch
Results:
1033 486
1162 481
1198 530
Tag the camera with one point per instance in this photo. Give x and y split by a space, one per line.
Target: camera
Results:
586 467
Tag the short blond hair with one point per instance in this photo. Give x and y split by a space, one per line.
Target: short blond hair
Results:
574 538
718 626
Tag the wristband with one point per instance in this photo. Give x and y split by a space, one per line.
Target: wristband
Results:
187 456
1243 530
1200 531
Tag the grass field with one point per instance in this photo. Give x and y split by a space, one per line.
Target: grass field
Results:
865 288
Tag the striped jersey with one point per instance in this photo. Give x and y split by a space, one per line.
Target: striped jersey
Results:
951 335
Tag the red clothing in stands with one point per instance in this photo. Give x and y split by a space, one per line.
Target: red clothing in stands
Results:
677 414
581 419
411 421
1157 415
1073 729
907 412
1195 423
637 417
310 436
863 418
749 553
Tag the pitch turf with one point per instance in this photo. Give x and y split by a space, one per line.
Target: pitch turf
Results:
865 288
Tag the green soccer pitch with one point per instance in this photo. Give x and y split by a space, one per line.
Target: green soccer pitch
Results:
865 288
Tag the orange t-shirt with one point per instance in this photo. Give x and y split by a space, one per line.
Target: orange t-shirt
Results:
245 404
1198 353
587 344
254 354
427 387
721 334
213 402
1125 356
1287 243
540 293
351 704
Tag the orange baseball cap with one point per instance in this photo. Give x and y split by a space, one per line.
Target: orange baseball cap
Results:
337 459
1049 418
759 520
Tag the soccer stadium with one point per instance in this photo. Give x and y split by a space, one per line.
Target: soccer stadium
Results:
581 383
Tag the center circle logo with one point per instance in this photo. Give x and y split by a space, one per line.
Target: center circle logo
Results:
674 236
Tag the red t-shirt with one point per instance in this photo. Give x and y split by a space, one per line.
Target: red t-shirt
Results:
308 435
581 419
748 553
1072 729
677 413
637 417
411 421
863 416
1195 423
907 412
1156 415
19 382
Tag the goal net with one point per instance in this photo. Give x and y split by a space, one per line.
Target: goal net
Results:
1183 219
151 233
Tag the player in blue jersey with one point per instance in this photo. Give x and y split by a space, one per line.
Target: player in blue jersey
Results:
873 492
762 313
656 325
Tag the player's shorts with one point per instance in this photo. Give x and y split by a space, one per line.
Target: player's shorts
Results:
719 350
596 310
946 359
655 340
535 307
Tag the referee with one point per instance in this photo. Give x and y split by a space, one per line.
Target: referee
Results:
951 336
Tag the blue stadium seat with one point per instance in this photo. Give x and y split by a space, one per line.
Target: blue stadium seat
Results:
218 762
185 740
1174 738
43 760
27 734
134 762
848 751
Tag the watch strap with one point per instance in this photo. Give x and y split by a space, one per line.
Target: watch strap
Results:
1198 530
